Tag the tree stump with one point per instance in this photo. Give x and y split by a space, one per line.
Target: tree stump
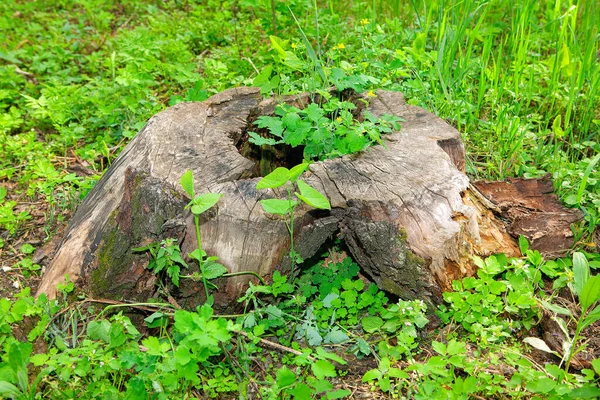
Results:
404 211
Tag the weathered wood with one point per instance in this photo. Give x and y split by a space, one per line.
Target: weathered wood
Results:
530 208
405 212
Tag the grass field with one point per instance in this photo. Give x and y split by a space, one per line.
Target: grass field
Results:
519 79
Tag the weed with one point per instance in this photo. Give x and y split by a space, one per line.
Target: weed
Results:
325 131
283 177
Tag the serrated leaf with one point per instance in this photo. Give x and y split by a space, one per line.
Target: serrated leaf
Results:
99 330
154 346
275 179
205 201
313 336
187 183
590 293
542 385
322 369
538 344
329 298
273 124
284 377
322 353
250 321
371 324
259 140
439 347
277 206
455 347
213 270
312 197
297 136
301 392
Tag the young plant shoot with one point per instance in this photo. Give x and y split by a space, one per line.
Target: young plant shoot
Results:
289 178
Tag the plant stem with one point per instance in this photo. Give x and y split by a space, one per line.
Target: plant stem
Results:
246 273
200 256
262 281
290 227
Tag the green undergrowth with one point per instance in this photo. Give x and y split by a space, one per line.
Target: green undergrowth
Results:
296 340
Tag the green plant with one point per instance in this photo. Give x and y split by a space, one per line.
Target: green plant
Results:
491 308
166 256
587 288
290 179
209 268
325 131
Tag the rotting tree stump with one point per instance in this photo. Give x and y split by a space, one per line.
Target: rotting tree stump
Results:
405 212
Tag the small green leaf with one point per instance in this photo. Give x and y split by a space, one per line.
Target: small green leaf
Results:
187 182
27 248
322 353
213 270
312 197
156 320
587 391
277 206
275 179
523 244
301 392
297 170
439 347
335 336
285 377
596 365
99 330
259 140
542 385
273 124
455 347
592 317
590 293
371 375
371 324
323 368
155 347
205 201
581 271
397 373
554 308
